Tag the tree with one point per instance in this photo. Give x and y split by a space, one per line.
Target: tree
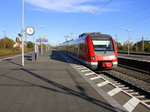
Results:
119 46
44 46
147 46
6 43
125 47
30 45
138 46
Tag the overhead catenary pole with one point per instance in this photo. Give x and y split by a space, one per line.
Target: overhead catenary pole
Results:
142 44
4 40
66 38
116 39
34 44
128 40
71 35
41 41
22 36
137 45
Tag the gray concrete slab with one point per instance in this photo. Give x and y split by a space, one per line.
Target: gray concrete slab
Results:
49 84
98 80
141 108
122 98
107 87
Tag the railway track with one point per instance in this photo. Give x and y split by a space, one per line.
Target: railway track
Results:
132 80
126 86
127 94
134 69
132 72
135 64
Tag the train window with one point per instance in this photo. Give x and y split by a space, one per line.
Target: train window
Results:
100 45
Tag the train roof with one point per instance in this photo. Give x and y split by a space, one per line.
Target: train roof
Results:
95 35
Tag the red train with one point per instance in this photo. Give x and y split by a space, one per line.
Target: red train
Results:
95 50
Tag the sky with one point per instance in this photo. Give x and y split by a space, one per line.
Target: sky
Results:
122 19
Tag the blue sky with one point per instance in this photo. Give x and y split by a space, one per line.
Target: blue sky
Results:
73 17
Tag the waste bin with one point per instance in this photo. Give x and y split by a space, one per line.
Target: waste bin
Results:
36 56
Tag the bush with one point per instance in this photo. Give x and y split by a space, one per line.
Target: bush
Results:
30 45
6 43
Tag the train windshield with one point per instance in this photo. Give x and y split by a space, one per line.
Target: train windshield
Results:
103 45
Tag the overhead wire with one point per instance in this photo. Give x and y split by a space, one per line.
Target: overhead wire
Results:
131 14
131 22
94 12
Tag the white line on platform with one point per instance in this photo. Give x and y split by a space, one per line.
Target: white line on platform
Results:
114 91
91 73
79 66
85 70
94 78
82 68
131 104
102 83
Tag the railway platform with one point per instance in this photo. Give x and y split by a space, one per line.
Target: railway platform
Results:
49 84
145 58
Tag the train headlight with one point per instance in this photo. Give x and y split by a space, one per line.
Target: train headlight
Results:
113 57
93 58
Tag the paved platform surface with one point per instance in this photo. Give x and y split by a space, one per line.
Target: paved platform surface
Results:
48 85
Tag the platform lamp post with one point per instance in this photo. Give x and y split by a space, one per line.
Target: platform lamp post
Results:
22 35
41 41
34 44
128 40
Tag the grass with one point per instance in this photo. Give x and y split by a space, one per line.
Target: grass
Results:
12 51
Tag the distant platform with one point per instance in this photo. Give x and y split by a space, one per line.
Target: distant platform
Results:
135 57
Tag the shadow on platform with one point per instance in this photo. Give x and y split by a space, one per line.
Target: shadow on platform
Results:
11 60
56 55
61 89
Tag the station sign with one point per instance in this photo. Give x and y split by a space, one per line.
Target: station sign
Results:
41 40
128 42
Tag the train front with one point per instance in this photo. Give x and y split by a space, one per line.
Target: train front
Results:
105 52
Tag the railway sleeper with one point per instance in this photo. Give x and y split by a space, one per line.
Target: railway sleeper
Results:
140 96
129 90
146 101
125 88
134 93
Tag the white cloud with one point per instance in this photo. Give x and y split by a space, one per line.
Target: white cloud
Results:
68 5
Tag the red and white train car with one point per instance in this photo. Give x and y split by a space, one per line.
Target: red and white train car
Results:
95 50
